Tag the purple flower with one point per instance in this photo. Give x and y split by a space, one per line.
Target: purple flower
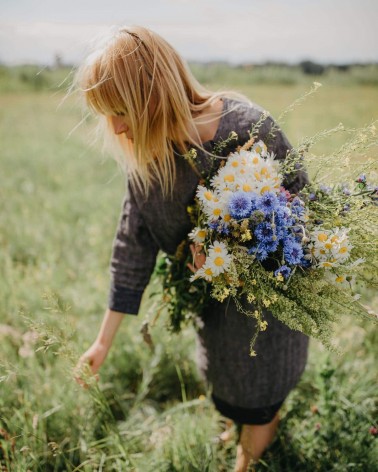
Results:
264 232
297 207
260 252
346 190
362 179
284 270
312 197
268 203
214 225
240 205
283 196
325 189
346 207
293 251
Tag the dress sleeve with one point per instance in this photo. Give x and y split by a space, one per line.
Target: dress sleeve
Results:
280 146
133 259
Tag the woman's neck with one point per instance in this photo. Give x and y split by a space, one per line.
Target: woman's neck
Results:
207 122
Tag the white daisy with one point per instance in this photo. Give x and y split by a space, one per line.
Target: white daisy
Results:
218 259
198 235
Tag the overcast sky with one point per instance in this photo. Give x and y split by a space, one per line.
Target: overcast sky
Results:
232 30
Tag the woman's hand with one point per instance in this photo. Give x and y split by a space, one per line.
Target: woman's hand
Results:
199 257
92 358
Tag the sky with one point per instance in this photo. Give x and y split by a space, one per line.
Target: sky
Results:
327 31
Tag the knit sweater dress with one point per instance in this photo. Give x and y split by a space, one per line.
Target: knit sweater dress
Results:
149 224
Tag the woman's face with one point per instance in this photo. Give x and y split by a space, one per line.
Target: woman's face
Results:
121 125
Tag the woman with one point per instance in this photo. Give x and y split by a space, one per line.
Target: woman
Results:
156 111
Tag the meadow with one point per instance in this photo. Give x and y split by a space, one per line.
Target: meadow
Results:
150 411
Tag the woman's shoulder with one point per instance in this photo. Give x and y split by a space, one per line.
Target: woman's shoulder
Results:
239 116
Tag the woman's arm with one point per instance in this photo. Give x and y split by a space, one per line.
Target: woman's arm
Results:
109 327
96 354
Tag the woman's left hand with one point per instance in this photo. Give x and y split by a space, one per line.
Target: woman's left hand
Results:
199 257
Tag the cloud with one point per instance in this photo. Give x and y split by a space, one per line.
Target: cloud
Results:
236 31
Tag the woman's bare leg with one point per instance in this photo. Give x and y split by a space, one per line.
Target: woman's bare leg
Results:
254 439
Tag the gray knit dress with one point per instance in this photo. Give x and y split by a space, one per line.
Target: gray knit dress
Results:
149 224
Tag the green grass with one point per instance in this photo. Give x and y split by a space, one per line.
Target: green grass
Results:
150 412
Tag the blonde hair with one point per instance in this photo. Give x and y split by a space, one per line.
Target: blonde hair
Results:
137 73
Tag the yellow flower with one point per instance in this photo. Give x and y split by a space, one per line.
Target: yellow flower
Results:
322 237
263 325
247 236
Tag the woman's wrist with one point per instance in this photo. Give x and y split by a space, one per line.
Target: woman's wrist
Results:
109 327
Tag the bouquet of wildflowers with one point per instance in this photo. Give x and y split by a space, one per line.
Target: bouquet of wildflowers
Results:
299 256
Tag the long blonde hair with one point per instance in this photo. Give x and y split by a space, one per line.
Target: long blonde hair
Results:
133 69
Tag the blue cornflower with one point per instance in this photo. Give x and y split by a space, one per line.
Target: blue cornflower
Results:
240 205
259 251
283 221
270 246
306 263
254 200
293 251
283 197
282 232
297 233
214 225
268 203
297 207
284 270
264 232
224 229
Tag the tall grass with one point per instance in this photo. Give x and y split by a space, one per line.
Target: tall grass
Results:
151 410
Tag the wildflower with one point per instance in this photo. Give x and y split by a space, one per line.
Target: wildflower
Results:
362 179
218 259
279 276
263 325
204 194
264 232
297 207
312 197
293 252
373 430
214 225
325 189
240 205
268 203
198 235
259 252
246 236
260 148
283 271
205 272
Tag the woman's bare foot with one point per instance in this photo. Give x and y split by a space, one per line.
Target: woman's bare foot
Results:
228 434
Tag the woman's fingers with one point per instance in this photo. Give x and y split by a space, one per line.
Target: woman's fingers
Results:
84 369
199 257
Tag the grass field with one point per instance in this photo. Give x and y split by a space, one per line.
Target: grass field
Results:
150 412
